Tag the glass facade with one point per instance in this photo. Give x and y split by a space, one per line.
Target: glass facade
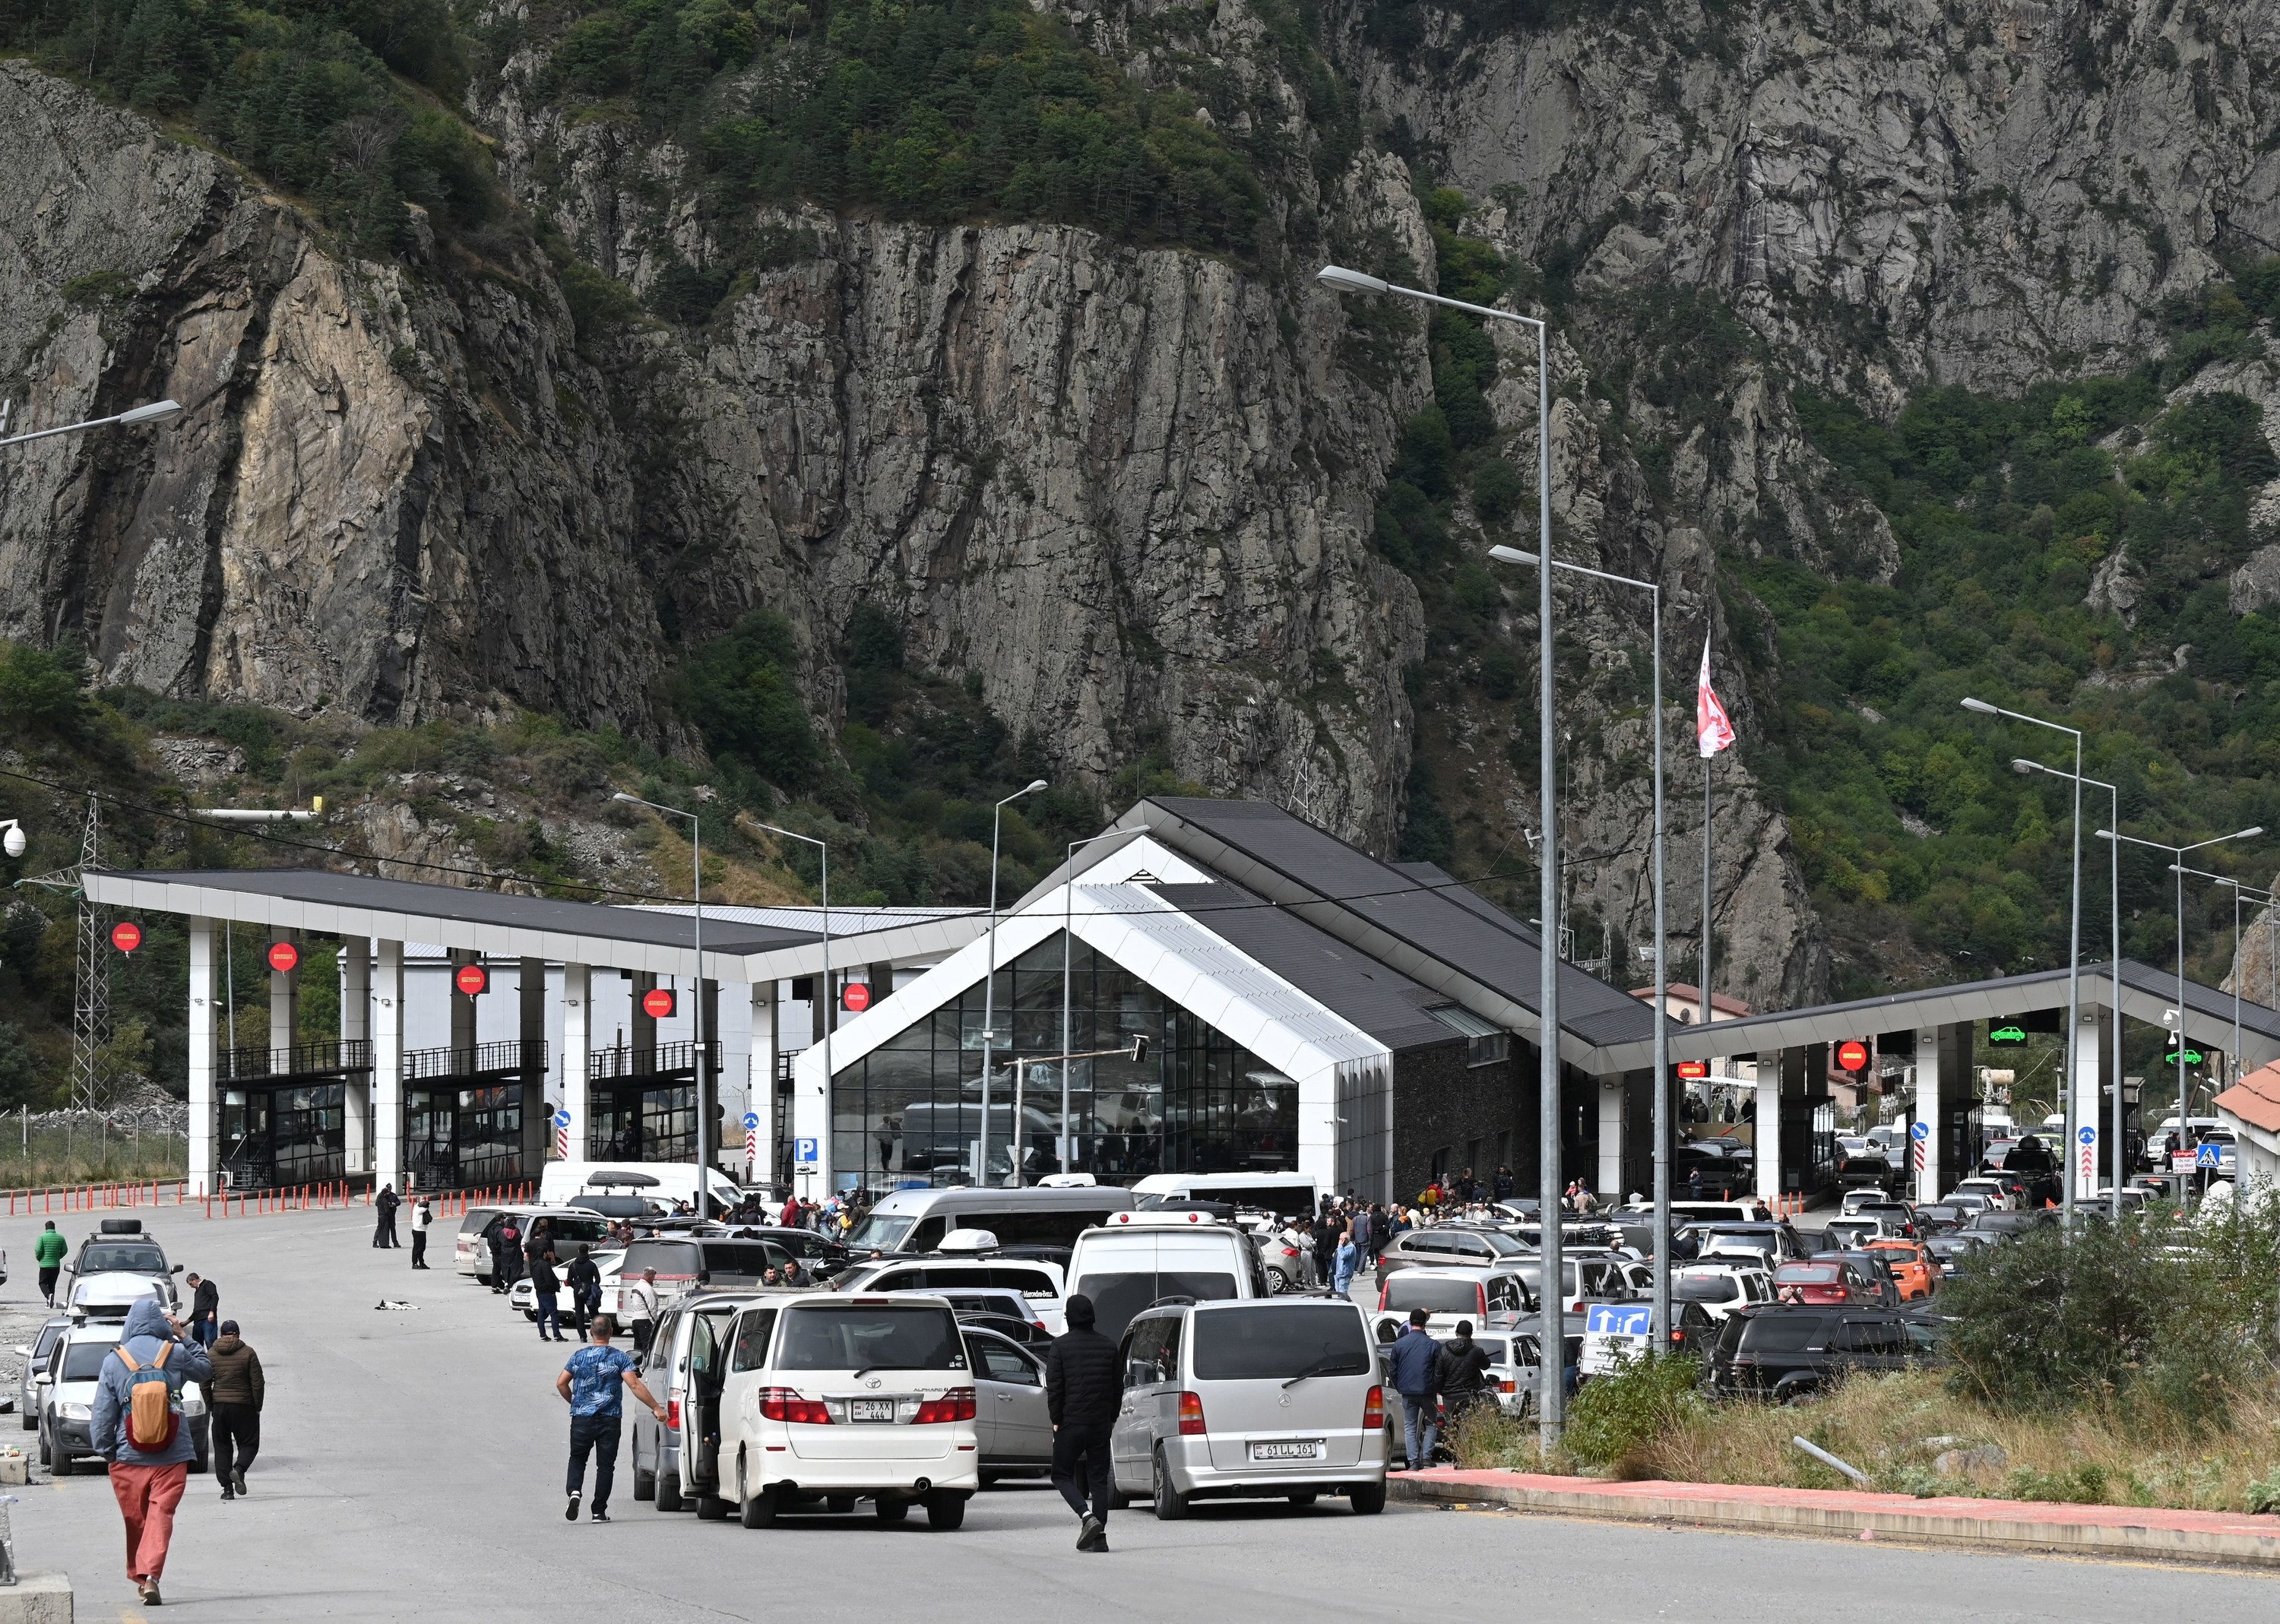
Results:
655 1122
461 1137
273 1137
909 1114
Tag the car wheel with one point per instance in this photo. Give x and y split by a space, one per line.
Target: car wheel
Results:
712 1507
31 1421
891 1511
43 1446
669 1492
946 1511
1119 1501
1170 1505
64 1466
1277 1282
1367 1499
644 1481
760 1510
1305 1496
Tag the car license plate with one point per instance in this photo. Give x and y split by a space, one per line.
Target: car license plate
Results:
870 1409
1288 1449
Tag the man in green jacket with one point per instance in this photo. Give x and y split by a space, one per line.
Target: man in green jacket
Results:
48 1251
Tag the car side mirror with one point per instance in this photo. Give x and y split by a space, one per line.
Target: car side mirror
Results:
176 1270
22 1352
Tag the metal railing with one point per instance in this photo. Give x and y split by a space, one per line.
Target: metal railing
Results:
484 1060
602 1064
300 1061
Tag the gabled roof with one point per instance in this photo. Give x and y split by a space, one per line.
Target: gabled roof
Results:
2255 1098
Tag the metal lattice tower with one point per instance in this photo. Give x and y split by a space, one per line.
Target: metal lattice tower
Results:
90 1069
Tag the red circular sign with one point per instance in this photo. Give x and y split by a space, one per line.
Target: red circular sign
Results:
1853 1055
284 958
127 935
473 980
856 997
656 1003
1693 1069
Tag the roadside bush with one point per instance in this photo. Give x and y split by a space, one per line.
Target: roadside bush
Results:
1615 1416
739 691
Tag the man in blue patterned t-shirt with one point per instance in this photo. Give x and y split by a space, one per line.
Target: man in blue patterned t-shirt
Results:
589 1383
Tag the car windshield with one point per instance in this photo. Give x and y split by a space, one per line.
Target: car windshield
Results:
1718 1288
1780 1333
1117 1299
880 1232
672 1259
83 1360
122 1257
1279 1343
867 1336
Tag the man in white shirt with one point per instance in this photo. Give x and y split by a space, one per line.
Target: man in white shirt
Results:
637 1304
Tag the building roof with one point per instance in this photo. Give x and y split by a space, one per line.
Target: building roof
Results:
1686 992
2255 1098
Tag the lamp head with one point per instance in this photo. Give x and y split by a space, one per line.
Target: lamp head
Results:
2248 834
150 412
1511 555
622 796
1351 281
1034 787
2022 766
1980 706
2106 833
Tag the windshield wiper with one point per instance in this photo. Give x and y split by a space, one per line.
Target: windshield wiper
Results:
1333 1364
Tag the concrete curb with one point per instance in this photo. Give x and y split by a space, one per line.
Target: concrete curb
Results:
2133 1533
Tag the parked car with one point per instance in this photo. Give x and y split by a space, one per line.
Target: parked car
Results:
1010 1414
1873 1265
1787 1353
1139 1259
522 1297
1914 1269
35 1355
1035 1281
1824 1280
1868 1170
2008 1226
1770 1244
1719 1289
1991 1191
119 1247
1843 1233
67 1417
1475 1292
683 1370
685 1263
471 1251
835 1397
1250 1400
1952 1252
1449 1246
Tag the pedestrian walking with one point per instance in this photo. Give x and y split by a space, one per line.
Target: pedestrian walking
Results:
592 1384
234 1404
48 1251
383 1206
507 1252
205 1309
547 1287
1083 1389
137 1424
584 1279
1461 1373
423 1213
1345 1262
1413 1360
638 1302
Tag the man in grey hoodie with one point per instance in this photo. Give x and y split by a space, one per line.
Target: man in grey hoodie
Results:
148 1481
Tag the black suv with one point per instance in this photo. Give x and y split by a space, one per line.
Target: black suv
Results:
1785 1352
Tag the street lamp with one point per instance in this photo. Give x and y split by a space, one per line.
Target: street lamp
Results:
2074 949
2184 1128
12 841
151 413
1551 1408
703 1054
989 986
2021 763
830 1001
1662 1260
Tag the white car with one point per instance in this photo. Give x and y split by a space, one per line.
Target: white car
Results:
1720 1288
847 1398
67 1418
522 1297
1997 1197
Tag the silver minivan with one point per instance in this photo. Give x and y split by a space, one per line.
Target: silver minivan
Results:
1267 1398
676 1461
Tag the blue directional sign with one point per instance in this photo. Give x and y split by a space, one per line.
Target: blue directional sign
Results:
1617 1319
2087 1136
562 1118
1920 1130
2209 1156
751 1120
803 1152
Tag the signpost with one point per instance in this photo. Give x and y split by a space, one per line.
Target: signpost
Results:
805 1158
562 1134
751 1137
658 1002
2006 1033
2087 1137
856 997
1611 1330
284 958
1919 1133
472 980
1693 1071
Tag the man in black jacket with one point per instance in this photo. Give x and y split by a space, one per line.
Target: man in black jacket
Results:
1461 1372
1083 1387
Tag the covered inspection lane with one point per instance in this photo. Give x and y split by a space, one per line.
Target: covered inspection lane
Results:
467 1112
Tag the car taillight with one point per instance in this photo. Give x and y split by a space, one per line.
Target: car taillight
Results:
1508 1387
782 1404
955 1405
1191 1416
1373 1409
673 1413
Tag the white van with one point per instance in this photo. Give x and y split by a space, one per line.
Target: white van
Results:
1141 1258
1291 1194
916 1220
838 1398
565 1183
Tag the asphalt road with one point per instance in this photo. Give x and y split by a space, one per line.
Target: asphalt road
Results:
411 1468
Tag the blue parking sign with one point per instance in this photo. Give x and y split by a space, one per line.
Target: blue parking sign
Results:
803 1152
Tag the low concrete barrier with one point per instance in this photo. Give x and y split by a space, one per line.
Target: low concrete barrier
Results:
37 1599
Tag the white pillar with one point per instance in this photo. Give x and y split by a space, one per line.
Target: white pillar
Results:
1610 1182
1924 1128
284 1007
388 1067
577 1049
762 1099
1766 1137
205 1020
356 1035
2087 1116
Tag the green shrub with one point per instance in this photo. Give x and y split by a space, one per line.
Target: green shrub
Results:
40 694
1615 1414
739 692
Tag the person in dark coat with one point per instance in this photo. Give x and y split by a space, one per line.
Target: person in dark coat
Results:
547 1287
584 1279
1461 1373
205 1309
1084 1387
234 1403
384 1206
506 1254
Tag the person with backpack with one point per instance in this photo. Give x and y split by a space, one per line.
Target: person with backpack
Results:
236 1404
584 1279
423 1213
138 1426
49 1253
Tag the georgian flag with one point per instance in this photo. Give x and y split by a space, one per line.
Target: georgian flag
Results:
1712 732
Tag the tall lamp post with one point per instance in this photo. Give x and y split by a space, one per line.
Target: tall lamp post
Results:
2238 891
2021 763
1662 1260
1551 1406
2074 950
705 1082
2177 856
831 999
989 987
151 413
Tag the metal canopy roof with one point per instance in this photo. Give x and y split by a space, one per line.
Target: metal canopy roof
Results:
502 925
